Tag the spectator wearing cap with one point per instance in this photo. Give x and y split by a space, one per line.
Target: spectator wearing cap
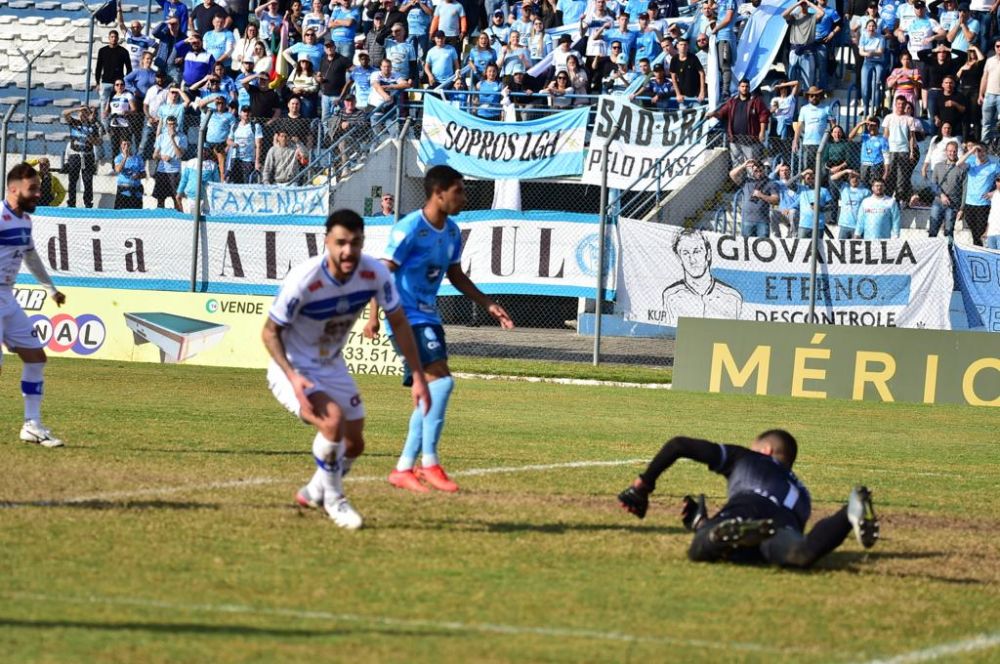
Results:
688 77
352 121
619 78
360 76
332 79
659 91
309 47
802 18
498 31
441 64
79 161
151 102
989 92
265 103
965 31
920 33
814 119
521 18
450 17
647 40
562 52
520 92
369 42
746 118
344 23
874 149
303 85
246 143
418 23
938 65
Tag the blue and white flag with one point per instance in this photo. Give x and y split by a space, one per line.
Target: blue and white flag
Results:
261 200
760 41
978 272
667 272
551 146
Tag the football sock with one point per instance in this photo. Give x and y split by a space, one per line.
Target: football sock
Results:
328 455
412 444
31 389
347 462
434 420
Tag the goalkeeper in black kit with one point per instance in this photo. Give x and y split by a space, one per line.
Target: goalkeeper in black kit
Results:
767 507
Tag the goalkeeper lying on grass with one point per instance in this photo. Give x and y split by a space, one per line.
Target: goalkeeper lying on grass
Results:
765 515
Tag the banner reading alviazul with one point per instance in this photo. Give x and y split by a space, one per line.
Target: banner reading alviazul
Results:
547 147
504 251
263 200
978 272
644 136
668 272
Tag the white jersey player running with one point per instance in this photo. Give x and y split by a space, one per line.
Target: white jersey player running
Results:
23 193
307 327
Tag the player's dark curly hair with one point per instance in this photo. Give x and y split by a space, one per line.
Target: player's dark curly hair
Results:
349 219
784 448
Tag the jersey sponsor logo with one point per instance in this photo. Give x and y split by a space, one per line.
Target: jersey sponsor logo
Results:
82 335
315 286
368 274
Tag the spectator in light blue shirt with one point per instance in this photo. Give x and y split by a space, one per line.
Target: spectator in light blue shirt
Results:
572 11
441 62
814 118
309 47
219 41
807 198
343 28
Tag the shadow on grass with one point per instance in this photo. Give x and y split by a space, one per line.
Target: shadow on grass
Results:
201 629
113 505
858 562
559 528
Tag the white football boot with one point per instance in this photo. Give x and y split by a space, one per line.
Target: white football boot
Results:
36 432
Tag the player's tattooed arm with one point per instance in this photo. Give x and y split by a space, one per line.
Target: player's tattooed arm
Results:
271 336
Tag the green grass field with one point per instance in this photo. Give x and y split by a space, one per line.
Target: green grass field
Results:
166 531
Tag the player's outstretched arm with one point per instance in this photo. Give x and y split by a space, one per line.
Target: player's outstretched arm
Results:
271 336
460 280
37 268
404 339
372 326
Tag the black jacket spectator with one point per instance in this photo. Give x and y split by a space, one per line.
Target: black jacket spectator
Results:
113 62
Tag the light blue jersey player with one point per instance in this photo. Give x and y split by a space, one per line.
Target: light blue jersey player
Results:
424 247
306 329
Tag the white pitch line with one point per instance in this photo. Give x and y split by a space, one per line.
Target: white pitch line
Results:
258 481
591 382
408 623
974 644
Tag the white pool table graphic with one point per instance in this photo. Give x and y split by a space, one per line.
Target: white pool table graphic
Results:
178 337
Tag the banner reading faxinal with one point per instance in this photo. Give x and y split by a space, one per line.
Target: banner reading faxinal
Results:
267 200
668 273
547 147
643 136
505 251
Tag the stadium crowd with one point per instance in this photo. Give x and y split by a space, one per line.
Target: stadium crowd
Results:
290 77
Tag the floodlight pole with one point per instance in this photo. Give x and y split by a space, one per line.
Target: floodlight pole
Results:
197 200
3 137
601 248
399 169
817 178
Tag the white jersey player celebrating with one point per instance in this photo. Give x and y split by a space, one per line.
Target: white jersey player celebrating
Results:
23 193
307 327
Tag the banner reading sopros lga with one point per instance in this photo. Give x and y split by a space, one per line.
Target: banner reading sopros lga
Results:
551 146
641 136
667 272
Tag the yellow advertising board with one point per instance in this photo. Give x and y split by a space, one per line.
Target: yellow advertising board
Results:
193 328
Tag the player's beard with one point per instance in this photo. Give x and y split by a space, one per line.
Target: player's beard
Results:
27 204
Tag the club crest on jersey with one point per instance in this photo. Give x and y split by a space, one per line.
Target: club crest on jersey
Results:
315 286
343 304
368 274
433 272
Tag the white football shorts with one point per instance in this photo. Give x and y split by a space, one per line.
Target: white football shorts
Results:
334 381
15 328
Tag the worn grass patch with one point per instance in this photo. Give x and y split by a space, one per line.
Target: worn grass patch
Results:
165 531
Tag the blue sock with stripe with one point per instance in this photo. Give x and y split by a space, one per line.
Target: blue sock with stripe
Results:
32 382
434 420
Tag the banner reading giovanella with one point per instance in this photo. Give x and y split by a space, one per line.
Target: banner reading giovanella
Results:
551 146
667 272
